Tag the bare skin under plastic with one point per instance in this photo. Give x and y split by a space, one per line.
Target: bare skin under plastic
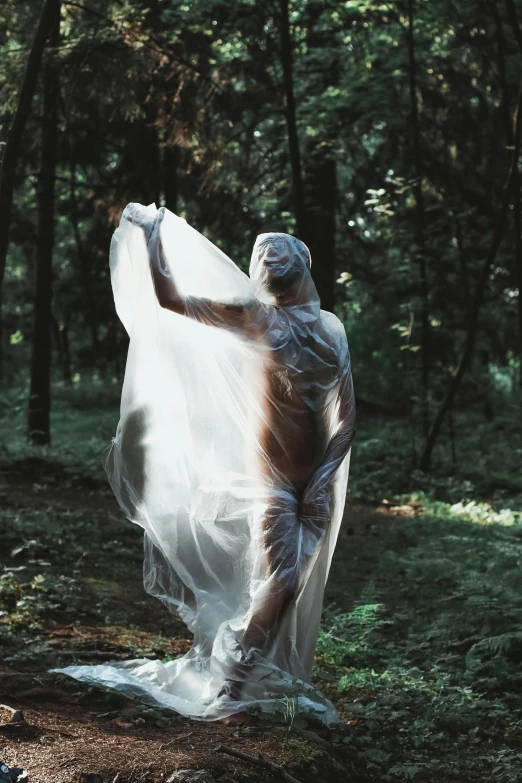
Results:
232 453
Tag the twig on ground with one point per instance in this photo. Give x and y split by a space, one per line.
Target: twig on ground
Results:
66 762
177 739
259 761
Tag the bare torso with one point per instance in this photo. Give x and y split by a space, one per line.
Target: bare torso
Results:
300 366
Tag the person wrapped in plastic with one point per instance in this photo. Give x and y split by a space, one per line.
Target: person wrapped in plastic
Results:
232 453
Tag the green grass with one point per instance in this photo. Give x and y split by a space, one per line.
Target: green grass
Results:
428 662
84 417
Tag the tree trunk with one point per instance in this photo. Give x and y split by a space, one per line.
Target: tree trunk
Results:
321 171
291 119
148 147
15 133
321 197
170 181
84 263
40 395
420 216
66 351
517 205
517 209
140 161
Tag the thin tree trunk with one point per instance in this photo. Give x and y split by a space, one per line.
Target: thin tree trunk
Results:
452 440
291 120
517 209
419 202
513 20
15 133
141 154
508 130
40 394
57 339
66 350
517 206
61 341
462 252
150 167
453 388
321 228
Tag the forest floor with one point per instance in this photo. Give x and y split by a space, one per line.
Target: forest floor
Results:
74 568
420 647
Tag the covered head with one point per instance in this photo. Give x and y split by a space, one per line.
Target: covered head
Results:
280 270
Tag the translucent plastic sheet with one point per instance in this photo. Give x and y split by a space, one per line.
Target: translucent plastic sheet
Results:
232 452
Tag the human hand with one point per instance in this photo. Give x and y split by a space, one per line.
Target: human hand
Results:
144 217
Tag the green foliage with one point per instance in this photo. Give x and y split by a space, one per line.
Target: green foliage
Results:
345 638
201 84
433 661
479 459
84 419
26 604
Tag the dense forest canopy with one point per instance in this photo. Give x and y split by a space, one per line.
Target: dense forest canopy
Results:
383 134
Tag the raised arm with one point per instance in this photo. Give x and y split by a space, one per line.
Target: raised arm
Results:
226 314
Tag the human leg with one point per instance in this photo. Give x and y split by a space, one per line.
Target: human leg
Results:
285 565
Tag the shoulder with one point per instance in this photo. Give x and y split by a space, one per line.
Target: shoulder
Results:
333 326
336 332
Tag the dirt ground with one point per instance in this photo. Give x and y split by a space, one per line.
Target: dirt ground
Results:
70 733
